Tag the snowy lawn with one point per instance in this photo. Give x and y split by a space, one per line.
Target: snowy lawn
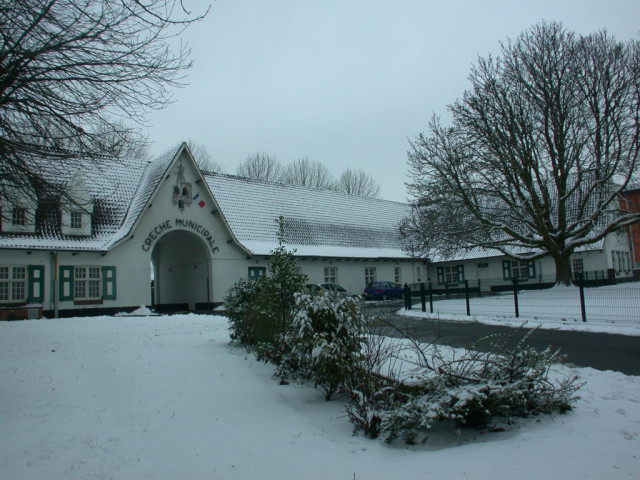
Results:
167 397
609 309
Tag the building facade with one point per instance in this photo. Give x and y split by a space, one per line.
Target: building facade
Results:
165 234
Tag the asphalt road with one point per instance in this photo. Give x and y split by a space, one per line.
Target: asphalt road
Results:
601 351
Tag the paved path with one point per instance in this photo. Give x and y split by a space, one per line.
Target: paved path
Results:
601 351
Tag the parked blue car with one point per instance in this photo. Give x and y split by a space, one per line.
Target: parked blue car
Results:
383 291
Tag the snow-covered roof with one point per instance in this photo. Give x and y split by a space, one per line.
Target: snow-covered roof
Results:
315 222
476 253
111 183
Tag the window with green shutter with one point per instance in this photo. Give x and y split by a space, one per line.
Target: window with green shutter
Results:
65 281
87 283
506 269
108 283
36 283
255 272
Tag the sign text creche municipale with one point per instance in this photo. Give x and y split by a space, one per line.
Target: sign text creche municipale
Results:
180 223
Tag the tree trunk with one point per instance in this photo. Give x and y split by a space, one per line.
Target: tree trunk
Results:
563 269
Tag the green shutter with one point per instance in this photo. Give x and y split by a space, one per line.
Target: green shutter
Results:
255 272
506 269
531 266
440 275
66 282
460 269
108 283
35 290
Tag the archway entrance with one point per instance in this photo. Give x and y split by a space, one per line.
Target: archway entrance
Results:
181 267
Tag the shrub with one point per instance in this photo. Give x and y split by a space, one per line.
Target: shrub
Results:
323 342
259 310
471 390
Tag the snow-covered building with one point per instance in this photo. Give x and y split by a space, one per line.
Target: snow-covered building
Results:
608 260
117 225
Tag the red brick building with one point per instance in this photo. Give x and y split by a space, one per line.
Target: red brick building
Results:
631 203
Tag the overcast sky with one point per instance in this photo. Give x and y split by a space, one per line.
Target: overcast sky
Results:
346 82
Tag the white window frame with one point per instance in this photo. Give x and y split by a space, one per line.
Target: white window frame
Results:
397 275
577 267
87 282
75 220
519 269
13 284
451 274
330 274
19 216
619 255
369 275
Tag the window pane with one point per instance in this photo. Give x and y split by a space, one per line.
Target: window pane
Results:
94 289
369 275
18 217
76 220
331 274
19 273
79 289
18 290
451 275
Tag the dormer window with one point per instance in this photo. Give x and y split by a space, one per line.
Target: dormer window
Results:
76 220
19 216
76 207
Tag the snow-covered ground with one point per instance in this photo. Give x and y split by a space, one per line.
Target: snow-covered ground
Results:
166 397
610 309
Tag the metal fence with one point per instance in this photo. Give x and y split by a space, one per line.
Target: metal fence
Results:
584 301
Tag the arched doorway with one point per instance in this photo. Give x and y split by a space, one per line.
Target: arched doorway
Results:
181 266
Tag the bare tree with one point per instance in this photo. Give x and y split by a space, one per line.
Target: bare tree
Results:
308 173
538 152
71 68
261 167
357 182
203 157
119 141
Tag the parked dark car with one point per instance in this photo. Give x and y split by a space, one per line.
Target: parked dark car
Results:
383 291
331 289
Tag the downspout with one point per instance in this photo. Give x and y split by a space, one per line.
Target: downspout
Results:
54 293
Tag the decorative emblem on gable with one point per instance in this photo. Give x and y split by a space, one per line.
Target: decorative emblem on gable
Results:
182 190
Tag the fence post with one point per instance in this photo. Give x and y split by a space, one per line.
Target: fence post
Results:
515 296
583 309
407 297
422 297
466 292
430 298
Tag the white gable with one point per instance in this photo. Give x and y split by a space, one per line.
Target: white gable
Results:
76 205
18 210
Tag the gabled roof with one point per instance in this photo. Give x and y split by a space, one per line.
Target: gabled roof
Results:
111 184
315 222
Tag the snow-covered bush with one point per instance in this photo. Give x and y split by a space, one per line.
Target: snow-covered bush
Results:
323 341
471 391
242 311
259 310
